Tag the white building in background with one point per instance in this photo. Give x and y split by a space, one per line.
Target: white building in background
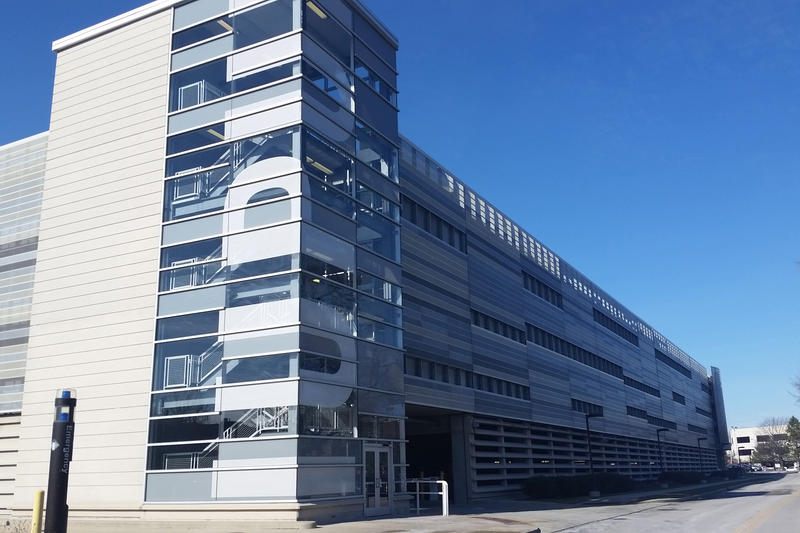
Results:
745 440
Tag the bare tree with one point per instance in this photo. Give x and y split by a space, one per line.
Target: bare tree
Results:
771 445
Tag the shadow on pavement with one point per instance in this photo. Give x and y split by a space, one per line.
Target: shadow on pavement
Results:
518 502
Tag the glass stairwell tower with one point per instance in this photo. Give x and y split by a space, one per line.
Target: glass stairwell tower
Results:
278 364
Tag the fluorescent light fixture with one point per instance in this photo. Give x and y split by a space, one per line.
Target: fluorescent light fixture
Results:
313 7
319 165
225 25
216 134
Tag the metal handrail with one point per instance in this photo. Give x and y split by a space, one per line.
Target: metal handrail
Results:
444 493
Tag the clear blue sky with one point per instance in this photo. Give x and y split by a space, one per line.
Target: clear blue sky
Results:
655 146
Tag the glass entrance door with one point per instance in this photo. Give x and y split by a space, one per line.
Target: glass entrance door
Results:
377 480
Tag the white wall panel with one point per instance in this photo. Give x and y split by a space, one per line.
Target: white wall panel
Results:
93 303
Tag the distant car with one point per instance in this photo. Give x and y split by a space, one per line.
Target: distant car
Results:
792 469
758 468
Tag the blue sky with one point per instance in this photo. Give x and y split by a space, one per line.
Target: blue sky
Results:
652 145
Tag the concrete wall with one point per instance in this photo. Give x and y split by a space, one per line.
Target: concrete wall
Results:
96 277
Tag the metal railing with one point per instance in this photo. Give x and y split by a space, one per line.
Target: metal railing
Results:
420 484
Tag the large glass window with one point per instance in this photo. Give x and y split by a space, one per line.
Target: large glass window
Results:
326 410
330 197
262 22
201 32
379 310
259 368
194 252
187 325
185 429
378 234
379 332
262 290
327 85
210 81
327 32
379 288
375 151
327 305
183 402
207 191
367 32
327 162
187 363
182 456
375 82
377 202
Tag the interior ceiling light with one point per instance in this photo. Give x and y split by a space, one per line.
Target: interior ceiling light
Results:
216 134
319 165
313 7
225 25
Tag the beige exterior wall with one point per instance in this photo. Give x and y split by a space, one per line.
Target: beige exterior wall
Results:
96 277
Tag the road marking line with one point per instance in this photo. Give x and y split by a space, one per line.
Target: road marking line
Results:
762 516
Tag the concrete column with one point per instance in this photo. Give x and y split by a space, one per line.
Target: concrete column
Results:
460 430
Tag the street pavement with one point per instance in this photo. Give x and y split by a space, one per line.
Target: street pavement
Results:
768 507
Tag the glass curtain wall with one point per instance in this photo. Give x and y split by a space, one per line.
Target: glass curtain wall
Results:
280 290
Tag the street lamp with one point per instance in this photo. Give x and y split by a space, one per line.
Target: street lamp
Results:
589 447
699 454
660 455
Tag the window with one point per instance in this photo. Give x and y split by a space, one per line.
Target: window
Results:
586 407
670 362
375 82
422 368
185 187
556 344
678 398
489 323
638 413
696 429
375 151
611 325
182 277
378 234
742 439
542 290
630 382
703 412
210 81
655 421
431 223
327 32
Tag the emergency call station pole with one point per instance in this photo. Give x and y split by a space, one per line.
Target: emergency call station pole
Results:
60 456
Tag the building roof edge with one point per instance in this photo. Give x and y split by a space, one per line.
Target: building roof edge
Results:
114 23
24 140
160 5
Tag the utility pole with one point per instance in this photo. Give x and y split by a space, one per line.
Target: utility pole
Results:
589 449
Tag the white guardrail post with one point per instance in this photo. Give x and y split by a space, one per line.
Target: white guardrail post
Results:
444 493
445 498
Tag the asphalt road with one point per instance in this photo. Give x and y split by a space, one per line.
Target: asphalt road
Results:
768 507
765 508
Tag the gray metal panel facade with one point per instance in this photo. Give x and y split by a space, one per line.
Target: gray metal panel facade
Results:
450 292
